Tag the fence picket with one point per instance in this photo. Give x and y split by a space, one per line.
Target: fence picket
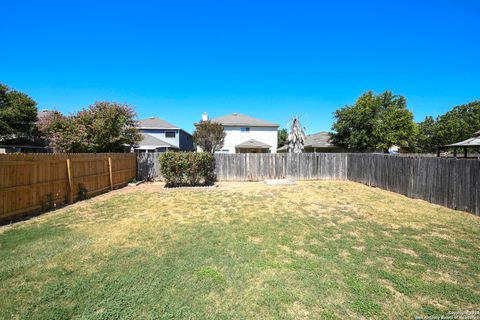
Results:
31 182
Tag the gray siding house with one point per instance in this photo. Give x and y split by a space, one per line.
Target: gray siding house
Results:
160 136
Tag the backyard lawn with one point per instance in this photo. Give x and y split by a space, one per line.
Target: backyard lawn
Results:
244 251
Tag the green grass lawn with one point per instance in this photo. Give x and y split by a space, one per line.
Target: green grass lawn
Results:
243 250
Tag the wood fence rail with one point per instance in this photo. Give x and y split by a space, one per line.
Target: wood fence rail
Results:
34 182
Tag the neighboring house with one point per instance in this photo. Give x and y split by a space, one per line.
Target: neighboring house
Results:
30 145
245 134
160 136
317 142
18 148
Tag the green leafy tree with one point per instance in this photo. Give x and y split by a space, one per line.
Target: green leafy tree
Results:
102 127
282 137
18 114
375 122
458 124
426 139
209 136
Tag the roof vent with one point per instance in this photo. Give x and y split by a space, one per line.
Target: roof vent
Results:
235 114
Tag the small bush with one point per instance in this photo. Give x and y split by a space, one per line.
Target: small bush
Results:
187 168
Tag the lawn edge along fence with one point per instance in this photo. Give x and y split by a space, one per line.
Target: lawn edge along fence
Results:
36 182
453 183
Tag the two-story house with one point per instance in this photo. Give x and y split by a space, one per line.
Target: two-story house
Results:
159 136
245 134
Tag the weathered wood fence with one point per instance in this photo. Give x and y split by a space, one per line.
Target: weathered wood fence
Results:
33 182
257 166
148 166
453 183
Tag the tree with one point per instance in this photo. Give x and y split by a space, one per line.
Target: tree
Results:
102 127
282 137
375 122
209 136
18 114
427 135
296 137
456 125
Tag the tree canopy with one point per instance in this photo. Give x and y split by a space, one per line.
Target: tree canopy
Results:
282 137
209 136
102 127
18 114
375 122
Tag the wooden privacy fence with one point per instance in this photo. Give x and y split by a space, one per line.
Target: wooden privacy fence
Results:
33 182
148 166
453 183
258 166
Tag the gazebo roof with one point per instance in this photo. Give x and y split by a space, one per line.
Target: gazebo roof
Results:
470 142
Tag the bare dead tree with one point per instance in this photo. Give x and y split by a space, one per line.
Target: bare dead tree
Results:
296 137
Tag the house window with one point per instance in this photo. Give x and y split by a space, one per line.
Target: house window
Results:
247 129
169 134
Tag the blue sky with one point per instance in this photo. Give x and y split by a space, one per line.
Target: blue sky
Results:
268 59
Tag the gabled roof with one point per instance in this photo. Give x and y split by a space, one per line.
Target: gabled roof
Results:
319 140
252 143
155 123
149 141
315 140
41 114
237 119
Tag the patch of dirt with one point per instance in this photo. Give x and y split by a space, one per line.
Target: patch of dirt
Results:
298 311
344 254
409 252
359 248
305 253
255 240
284 248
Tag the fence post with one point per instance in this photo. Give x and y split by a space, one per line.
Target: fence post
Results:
110 172
70 182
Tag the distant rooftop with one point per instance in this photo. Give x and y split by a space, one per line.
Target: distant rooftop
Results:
319 140
470 142
252 143
41 114
155 123
316 140
149 141
238 119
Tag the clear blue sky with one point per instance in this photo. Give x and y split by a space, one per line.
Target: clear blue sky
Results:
268 59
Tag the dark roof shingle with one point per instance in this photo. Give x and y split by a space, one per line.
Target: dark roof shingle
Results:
155 123
150 141
252 143
238 119
315 140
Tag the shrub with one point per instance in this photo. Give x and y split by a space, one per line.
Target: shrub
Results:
187 168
